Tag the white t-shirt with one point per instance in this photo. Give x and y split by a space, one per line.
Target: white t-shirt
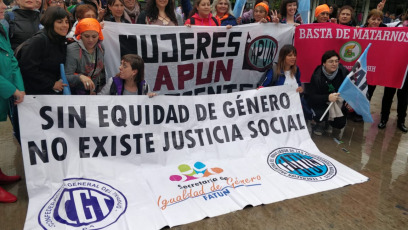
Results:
290 80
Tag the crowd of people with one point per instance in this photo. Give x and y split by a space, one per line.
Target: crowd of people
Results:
36 37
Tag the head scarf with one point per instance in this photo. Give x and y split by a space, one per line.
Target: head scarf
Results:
87 24
264 6
321 8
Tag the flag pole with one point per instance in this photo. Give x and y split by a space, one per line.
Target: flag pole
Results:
327 110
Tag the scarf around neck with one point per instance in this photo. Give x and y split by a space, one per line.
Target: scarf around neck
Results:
330 76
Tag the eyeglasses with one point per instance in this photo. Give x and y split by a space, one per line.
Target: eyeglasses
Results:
58 2
333 61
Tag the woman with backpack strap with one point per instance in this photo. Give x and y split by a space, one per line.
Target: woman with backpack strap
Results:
130 79
84 66
201 15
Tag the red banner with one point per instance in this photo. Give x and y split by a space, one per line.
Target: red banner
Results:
387 61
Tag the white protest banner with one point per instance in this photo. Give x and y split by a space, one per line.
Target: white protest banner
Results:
133 162
200 59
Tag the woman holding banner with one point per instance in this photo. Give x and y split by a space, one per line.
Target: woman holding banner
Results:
322 90
40 56
158 12
84 66
130 80
11 89
402 98
290 15
346 16
222 11
201 15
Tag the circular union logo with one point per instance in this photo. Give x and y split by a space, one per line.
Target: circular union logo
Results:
261 52
83 204
301 165
350 51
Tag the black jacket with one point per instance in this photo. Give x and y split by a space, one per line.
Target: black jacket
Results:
24 25
317 91
39 60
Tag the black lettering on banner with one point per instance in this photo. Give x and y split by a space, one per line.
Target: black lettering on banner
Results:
83 145
284 101
128 44
102 116
201 112
231 43
60 116
165 55
61 141
144 46
251 128
203 41
190 138
44 115
149 143
33 150
158 114
137 137
125 144
99 146
275 130
184 46
121 119
73 114
216 44
113 146
207 132
132 115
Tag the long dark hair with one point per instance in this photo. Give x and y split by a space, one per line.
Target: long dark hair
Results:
51 15
109 12
136 62
285 51
152 12
283 9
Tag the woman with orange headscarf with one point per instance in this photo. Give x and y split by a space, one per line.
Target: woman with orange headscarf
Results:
84 66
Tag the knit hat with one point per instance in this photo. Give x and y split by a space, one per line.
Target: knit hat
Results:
321 8
87 24
264 6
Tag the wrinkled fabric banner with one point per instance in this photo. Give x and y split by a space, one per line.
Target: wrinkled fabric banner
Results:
133 162
386 63
197 60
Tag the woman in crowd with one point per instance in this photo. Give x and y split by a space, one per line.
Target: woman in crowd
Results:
289 12
11 87
346 16
59 3
286 72
158 12
201 15
222 11
322 13
248 17
132 10
130 80
322 90
402 98
333 9
374 20
115 12
41 56
261 13
84 66
81 12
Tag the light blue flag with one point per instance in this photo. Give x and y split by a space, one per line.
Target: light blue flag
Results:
238 8
66 90
354 88
304 10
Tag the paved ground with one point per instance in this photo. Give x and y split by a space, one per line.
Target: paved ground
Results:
381 203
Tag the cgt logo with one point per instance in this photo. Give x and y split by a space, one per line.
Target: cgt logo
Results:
301 165
83 204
